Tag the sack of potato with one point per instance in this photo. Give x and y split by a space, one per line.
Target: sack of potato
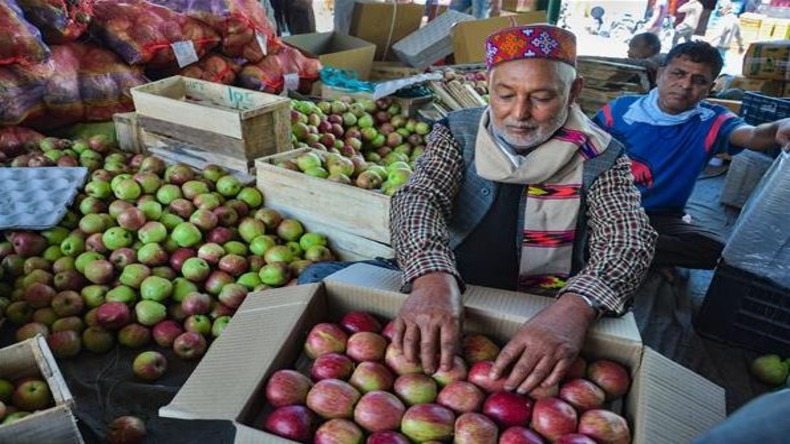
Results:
214 68
21 42
59 20
143 33
245 31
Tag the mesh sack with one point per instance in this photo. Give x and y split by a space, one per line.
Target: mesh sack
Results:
59 20
266 76
21 92
20 42
16 140
214 68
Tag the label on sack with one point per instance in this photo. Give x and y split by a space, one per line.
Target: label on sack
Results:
263 43
291 81
185 52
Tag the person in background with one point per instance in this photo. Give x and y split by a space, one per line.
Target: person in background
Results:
527 195
481 9
643 50
294 16
763 420
670 136
344 11
727 28
686 28
270 16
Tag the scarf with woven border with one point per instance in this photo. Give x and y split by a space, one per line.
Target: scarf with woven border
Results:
552 175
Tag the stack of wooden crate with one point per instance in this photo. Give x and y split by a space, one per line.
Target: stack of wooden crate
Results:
605 81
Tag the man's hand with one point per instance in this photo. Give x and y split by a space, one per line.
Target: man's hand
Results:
783 134
545 347
429 322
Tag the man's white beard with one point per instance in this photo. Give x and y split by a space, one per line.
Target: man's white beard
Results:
537 138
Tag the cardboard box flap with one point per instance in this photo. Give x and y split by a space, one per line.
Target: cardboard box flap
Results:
61 428
469 37
675 405
221 385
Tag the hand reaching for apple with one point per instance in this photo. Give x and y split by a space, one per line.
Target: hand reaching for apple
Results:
545 346
429 322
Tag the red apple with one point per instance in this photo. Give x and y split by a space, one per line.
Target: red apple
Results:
357 321
165 332
578 369
458 372
287 387
396 360
428 422
389 330
479 376
379 411
336 431
461 397
508 409
474 428
134 335
476 348
370 376
366 346
178 257
574 438
604 426
333 398
65 344
149 365
325 338
126 430
520 435
582 394
113 315
331 366
294 422
190 345
611 377
553 417
196 304
387 438
541 392
415 388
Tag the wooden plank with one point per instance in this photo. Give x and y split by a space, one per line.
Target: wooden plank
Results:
208 140
193 156
344 207
188 114
127 131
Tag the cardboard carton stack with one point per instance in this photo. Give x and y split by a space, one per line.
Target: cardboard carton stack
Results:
768 61
605 81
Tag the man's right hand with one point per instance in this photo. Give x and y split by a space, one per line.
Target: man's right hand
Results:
429 322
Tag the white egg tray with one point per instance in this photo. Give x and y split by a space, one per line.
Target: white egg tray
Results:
37 198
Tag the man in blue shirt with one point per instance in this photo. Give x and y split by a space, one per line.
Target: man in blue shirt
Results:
670 134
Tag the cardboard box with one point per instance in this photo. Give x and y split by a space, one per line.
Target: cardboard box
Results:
381 71
667 403
432 42
469 37
766 86
56 424
768 60
520 5
348 208
384 24
337 50
232 123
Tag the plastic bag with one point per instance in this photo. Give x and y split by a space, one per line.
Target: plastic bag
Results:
20 42
214 68
16 140
143 33
245 31
59 20
21 92
88 84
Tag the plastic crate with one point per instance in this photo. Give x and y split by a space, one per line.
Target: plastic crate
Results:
746 310
758 108
746 170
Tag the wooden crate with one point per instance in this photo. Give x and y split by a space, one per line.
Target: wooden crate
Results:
128 133
346 208
224 120
345 246
55 424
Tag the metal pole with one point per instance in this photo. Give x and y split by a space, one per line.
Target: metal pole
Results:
553 11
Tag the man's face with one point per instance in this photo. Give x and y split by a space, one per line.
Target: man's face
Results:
529 100
682 84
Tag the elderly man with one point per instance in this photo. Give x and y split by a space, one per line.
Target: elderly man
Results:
529 195
670 135
525 195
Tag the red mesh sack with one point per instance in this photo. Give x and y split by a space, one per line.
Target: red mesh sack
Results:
16 140
89 84
21 92
214 68
142 33
241 23
20 42
266 76
293 61
59 20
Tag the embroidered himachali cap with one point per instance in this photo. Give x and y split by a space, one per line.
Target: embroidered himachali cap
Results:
531 42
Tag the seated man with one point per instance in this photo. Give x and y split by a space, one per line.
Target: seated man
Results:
670 135
643 50
529 195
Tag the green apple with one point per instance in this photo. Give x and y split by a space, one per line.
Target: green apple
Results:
121 293
168 193
186 234
73 245
235 247
133 275
275 274
92 223
56 235
228 186
249 280
155 288
170 221
85 258
151 209
182 287
219 325
311 239
98 189
116 237
250 228
52 253
251 196
152 232
260 244
94 295
150 313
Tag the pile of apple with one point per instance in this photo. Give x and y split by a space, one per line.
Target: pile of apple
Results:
360 385
477 79
371 135
23 397
149 253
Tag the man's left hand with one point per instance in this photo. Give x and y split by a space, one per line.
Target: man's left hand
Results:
783 134
546 346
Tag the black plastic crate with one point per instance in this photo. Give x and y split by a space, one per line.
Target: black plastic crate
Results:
746 310
758 108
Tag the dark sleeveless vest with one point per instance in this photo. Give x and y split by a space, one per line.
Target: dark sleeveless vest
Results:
485 228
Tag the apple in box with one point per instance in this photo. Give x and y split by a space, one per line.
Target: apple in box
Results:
461 397
357 321
582 394
325 338
479 375
370 376
474 428
287 387
508 409
458 372
293 422
397 361
574 438
553 417
415 388
387 438
379 411
333 398
604 426
331 366
366 346
520 435
338 431
428 422
610 376
477 348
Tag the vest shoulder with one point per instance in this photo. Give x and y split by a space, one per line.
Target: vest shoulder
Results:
465 116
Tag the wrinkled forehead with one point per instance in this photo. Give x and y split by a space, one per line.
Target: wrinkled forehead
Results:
535 72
